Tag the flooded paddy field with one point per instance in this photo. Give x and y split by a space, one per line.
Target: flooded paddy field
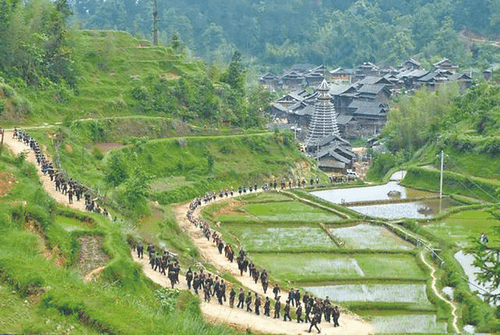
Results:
321 267
421 209
279 212
407 323
359 265
368 236
371 193
281 237
410 293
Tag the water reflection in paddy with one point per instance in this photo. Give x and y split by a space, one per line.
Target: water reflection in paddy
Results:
370 193
411 210
411 293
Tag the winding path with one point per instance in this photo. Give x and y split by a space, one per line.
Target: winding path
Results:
439 295
350 324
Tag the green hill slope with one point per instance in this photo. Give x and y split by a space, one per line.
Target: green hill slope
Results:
118 75
42 267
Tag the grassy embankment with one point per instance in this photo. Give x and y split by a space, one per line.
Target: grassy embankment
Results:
182 167
41 275
109 65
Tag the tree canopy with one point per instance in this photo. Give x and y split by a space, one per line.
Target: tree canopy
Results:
343 33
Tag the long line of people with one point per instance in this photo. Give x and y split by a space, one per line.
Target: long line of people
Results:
67 186
314 308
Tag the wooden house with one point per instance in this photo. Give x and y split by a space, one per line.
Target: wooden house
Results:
292 81
446 64
341 75
269 81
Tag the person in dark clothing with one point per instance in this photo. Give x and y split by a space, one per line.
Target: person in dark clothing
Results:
189 278
287 311
257 304
232 295
308 311
298 312
277 308
314 322
249 301
291 297
241 299
267 307
276 291
140 251
336 316
297 297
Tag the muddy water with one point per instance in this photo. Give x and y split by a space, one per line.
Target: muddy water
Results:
411 293
371 193
411 210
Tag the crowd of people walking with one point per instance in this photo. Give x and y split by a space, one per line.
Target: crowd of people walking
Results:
67 186
166 263
314 309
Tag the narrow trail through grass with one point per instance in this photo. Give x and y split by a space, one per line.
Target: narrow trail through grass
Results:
350 324
439 295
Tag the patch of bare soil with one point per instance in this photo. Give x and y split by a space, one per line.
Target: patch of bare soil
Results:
48 253
109 146
93 274
91 255
69 148
7 182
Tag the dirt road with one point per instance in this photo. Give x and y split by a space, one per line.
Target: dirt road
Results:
215 313
19 147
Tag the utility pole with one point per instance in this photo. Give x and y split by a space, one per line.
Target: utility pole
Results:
441 180
155 22
1 143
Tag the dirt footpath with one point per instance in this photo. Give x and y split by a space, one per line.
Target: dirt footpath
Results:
243 320
215 313
349 324
19 147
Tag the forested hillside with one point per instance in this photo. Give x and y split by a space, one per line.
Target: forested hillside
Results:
278 32
50 72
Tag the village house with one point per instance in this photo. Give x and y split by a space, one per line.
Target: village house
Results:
341 75
270 81
293 81
360 107
314 79
445 64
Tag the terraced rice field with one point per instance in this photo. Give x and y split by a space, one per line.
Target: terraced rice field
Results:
410 293
288 212
321 267
407 323
461 227
281 238
367 236
373 268
411 210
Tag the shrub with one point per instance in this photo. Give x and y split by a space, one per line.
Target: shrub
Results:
97 153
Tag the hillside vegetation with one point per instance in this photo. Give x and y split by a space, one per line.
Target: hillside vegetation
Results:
281 33
41 270
463 125
114 74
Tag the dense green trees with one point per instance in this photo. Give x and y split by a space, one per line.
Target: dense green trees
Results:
282 32
33 41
